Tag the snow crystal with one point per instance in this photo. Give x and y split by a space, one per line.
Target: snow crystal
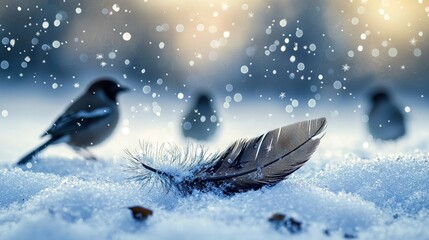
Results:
238 97
337 84
4 64
393 52
312 103
226 105
180 28
244 69
112 55
187 125
180 95
417 52
375 52
283 23
161 45
295 103
407 109
156 109
126 36
4 113
56 44
200 27
146 89
45 24
116 7
301 66
5 41
46 47
360 48
299 33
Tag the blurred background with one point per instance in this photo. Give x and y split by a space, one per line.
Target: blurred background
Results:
264 64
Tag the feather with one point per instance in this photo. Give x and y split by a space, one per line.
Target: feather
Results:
247 164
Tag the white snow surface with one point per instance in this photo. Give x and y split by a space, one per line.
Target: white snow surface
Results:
352 185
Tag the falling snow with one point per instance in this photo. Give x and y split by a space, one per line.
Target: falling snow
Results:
263 64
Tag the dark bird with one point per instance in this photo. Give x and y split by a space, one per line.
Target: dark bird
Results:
88 121
385 119
201 121
244 165
140 213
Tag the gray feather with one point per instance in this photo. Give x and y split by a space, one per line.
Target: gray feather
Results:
254 163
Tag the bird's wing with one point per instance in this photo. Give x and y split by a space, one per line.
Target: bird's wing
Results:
75 121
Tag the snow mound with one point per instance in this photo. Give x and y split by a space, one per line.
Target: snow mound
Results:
384 197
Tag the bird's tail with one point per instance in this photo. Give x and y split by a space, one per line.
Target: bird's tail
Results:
36 151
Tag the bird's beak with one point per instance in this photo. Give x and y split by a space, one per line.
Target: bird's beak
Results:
124 89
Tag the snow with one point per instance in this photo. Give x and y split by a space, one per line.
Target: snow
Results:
352 185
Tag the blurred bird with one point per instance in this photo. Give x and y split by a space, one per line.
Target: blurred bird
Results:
201 121
88 121
385 120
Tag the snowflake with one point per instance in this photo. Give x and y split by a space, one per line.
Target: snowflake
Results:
413 41
99 56
103 64
346 67
403 67
146 109
76 85
251 14
198 55
282 95
225 6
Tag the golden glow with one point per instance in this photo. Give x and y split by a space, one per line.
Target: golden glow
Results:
394 18
379 33
204 31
